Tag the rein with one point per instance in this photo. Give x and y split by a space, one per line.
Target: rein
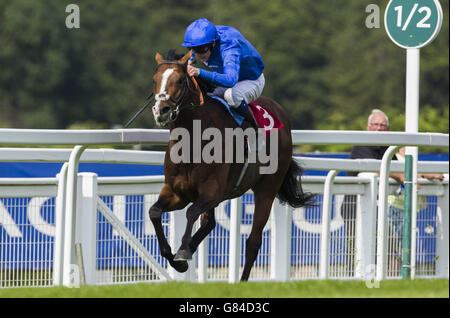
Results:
150 98
178 102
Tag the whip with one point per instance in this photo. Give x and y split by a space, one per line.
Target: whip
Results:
150 99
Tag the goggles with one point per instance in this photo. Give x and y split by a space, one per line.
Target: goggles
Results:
202 49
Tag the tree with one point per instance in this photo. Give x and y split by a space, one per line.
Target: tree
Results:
321 61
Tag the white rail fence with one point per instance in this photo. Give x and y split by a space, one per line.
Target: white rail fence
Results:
119 245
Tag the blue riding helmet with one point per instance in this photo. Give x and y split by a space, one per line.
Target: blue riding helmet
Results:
199 32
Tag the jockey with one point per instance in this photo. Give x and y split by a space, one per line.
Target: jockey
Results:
237 68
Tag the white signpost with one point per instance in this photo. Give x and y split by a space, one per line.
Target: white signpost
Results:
412 24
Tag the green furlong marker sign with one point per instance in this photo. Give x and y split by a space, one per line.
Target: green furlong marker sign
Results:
413 23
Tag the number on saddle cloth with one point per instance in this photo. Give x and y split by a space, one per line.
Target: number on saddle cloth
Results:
265 118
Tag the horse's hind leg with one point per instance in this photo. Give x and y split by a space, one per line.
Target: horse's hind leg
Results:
167 201
263 205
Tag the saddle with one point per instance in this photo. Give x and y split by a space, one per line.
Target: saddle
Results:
263 117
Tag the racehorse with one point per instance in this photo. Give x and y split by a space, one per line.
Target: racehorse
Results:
179 102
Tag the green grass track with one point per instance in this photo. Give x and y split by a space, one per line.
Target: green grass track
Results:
419 288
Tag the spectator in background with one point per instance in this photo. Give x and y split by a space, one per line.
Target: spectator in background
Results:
377 121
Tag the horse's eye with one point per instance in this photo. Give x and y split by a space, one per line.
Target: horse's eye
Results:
180 81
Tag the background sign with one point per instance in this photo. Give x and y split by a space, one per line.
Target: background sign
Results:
413 23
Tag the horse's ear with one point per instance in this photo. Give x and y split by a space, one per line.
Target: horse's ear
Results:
158 57
185 58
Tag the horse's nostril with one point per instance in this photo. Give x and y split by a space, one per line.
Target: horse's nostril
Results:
165 110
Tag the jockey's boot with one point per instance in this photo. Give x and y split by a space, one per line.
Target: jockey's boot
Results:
246 112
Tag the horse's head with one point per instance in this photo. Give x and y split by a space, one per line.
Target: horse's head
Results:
170 83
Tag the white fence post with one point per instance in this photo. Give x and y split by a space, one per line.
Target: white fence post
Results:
324 262
58 255
203 259
383 186
280 261
442 241
366 227
69 261
235 240
86 223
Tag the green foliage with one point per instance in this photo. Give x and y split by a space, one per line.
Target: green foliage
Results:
322 63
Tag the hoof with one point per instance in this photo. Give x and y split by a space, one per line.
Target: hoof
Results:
183 255
180 266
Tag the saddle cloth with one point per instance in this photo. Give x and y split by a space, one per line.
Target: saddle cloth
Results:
237 117
263 117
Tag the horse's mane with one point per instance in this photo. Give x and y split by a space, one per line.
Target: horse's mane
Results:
172 55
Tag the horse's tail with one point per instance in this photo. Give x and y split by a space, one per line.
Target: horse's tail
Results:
291 191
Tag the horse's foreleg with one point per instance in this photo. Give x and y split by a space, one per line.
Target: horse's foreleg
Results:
207 224
167 201
192 214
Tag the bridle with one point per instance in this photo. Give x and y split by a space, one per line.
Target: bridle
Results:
178 104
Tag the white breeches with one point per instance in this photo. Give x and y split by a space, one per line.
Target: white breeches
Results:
248 90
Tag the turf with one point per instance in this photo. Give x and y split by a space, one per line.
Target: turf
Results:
430 288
